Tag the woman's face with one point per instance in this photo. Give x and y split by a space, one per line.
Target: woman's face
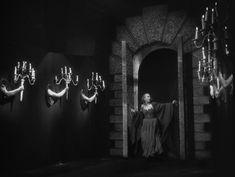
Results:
147 98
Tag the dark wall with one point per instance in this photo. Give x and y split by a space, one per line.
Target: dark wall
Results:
51 35
158 76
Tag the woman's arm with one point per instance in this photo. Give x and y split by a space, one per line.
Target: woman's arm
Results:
11 92
87 98
59 94
174 102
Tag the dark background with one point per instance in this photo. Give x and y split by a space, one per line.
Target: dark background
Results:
51 34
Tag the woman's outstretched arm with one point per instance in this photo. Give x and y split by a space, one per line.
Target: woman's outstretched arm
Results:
11 92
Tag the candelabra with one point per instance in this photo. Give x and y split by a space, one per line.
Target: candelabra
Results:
212 35
67 77
23 71
95 82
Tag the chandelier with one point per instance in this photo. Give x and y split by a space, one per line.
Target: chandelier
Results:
212 39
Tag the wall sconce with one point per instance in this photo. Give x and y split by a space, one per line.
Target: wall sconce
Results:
95 82
212 35
66 75
22 72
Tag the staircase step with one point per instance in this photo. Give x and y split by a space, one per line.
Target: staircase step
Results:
154 19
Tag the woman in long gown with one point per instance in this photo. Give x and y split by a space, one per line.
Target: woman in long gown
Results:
155 121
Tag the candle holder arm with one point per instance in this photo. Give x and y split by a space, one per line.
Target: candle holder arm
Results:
57 94
89 99
11 92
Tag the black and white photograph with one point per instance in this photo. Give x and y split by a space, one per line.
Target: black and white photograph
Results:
117 88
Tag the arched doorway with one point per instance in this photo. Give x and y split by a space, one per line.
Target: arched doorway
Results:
158 76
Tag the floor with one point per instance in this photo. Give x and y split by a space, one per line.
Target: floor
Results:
115 167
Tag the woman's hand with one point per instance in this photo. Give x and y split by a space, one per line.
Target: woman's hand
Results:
174 102
132 110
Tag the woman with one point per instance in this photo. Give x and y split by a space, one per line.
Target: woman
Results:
156 119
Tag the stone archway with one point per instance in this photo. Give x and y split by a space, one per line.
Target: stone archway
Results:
156 28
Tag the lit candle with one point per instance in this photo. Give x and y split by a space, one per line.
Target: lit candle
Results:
209 43
97 77
226 49
216 11
215 45
65 70
33 73
225 32
62 72
56 79
203 23
18 65
196 33
77 78
87 83
218 84
199 65
206 14
212 16
103 84
15 71
203 53
30 67
23 67
70 70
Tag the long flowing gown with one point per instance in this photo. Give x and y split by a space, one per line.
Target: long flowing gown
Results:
150 127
